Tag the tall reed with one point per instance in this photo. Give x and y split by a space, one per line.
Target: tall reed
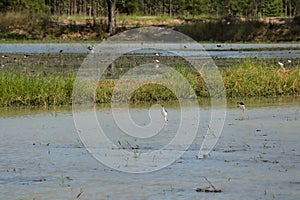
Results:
35 89
261 79
248 78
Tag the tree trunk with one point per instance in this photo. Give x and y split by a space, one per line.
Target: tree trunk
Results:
111 5
170 8
163 8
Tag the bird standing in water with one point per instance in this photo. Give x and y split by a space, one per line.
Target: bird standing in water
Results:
242 108
157 64
91 49
164 113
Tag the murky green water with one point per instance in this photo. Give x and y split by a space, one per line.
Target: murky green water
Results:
42 157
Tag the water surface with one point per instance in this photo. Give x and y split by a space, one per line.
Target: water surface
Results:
225 50
42 157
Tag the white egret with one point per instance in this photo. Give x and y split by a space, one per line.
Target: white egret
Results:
164 113
157 63
242 108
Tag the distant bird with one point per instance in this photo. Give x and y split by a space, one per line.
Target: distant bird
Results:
91 49
242 108
164 113
289 61
281 64
219 45
4 56
157 63
26 56
60 51
157 54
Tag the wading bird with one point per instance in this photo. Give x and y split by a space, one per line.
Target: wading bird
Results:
242 108
281 64
164 113
157 63
91 49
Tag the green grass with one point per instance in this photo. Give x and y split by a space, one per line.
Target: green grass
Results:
28 89
260 79
249 78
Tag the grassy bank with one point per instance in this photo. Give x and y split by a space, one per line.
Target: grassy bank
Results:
250 78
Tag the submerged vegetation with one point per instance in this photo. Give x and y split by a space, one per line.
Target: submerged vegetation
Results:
249 78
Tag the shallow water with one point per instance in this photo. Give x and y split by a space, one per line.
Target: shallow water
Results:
224 51
42 157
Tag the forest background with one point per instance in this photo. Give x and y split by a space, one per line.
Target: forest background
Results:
203 20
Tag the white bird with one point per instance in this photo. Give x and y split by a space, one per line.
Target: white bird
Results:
242 108
281 64
164 113
157 54
157 63
289 61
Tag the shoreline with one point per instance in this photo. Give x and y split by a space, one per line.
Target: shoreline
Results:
16 46
204 103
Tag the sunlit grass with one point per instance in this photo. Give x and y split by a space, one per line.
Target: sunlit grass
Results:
252 79
28 89
143 18
248 78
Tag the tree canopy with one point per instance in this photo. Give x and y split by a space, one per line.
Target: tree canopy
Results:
217 8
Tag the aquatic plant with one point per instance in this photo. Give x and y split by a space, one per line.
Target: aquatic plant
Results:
252 78
35 89
247 78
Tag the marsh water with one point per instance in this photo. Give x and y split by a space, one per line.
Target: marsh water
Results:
68 57
225 50
42 156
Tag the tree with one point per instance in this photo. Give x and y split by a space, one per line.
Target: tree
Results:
273 8
111 6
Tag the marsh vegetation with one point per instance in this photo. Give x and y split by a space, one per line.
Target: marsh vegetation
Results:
246 78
